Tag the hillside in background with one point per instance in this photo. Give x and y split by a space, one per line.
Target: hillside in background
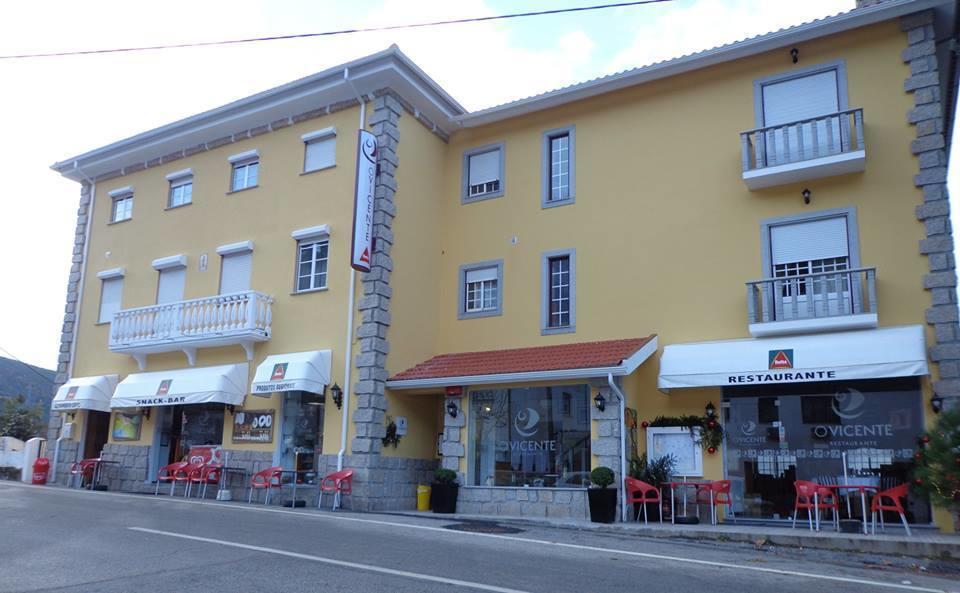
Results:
17 378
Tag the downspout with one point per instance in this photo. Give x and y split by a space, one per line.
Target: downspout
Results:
76 315
623 447
348 348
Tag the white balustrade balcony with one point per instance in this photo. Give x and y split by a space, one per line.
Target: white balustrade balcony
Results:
240 318
809 303
809 149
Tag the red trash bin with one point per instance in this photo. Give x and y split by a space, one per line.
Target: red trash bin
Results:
41 469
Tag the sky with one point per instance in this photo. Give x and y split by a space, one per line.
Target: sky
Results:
58 107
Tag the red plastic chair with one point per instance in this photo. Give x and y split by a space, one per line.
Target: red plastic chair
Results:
894 495
716 493
639 491
340 482
208 473
82 469
167 473
183 475
267 479
813 497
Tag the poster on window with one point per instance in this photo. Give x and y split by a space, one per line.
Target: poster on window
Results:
253 426
126 427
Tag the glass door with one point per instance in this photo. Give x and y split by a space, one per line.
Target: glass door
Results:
301 430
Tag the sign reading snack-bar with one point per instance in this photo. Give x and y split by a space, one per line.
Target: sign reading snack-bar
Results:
362 248
253 426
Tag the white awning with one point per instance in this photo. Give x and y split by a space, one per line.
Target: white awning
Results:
841 356
85 393
296 371
226 384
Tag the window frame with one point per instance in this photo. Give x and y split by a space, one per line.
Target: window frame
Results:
465 197
462 312
767 225
315 239
315 137
116 199
545 285
546 164
109 276
245 163
179 180
840 66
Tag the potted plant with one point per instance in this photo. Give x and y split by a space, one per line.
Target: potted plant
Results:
603 499
937 471
653 472
443 491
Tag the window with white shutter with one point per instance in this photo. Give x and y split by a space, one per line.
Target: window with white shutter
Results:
111 296
481 289
483 173
170 285
235 272
319 150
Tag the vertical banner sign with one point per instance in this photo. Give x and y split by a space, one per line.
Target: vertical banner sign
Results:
362 248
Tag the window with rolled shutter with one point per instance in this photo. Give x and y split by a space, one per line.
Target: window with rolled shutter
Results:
235 272
796 100
482 292
483 173
111 295
170 285
811 247
320 153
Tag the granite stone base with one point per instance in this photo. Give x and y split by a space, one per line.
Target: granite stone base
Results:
566 503
382 483
65 459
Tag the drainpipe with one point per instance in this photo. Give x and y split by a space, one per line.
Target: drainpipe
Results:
623 447
348 348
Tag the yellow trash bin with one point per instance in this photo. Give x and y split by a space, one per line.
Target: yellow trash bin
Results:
423 498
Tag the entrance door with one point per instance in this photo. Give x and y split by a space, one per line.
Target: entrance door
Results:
301 431
98 429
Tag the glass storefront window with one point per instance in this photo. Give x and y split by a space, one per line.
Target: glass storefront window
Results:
852 432
302 430
533 436
201 424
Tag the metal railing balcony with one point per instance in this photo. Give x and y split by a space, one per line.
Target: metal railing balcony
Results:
240 318
824 146
823 301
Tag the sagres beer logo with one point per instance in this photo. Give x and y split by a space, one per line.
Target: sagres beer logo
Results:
72 392
526 421
780 359
279 371
848 404
164 387
748 428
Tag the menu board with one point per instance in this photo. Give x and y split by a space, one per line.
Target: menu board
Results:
253 426
680 443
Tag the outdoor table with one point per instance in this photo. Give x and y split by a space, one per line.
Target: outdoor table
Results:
225 472
673 486
863 500
296 474
98 471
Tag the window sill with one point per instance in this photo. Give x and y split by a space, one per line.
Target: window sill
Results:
312 171
236 191
309 291
549 331
479 314
179 206
112 222
481 197
545 204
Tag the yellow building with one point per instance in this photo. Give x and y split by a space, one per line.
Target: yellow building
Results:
556 283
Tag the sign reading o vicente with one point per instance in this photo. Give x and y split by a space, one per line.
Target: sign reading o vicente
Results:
361 251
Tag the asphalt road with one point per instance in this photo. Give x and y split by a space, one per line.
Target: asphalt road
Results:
89 542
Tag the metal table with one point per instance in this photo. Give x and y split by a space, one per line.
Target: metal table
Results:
863 500
296 474
673 486
98 471
224 484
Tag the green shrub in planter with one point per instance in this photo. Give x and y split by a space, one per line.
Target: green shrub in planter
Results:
443 491
603 500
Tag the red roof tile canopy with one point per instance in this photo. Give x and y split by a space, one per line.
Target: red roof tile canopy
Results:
585 355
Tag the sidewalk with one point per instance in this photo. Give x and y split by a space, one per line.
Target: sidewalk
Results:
927 543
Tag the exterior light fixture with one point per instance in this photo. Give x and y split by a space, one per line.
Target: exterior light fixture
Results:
452 409
795 55
806 195
710 410
936 404
600 401
337 395
232 409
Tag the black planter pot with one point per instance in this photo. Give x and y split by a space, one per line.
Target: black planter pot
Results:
603 504
443 497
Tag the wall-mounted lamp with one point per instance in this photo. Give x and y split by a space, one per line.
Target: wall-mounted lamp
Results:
710 410
806 195
145 412
936 404
795 55
337 395
231 408
600 402
452 409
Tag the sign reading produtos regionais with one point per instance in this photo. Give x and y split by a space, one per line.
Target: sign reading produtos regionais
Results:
362 248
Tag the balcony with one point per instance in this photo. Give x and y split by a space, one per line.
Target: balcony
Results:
240 318
808 149
825 301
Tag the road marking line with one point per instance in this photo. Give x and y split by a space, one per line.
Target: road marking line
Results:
331 517
344 563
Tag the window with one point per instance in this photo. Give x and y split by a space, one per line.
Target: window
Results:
523 437
246 170
122 208
181 191
482 173
312 264
170 285
319 149
235 271
559 292
111 296
558 167
481 286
